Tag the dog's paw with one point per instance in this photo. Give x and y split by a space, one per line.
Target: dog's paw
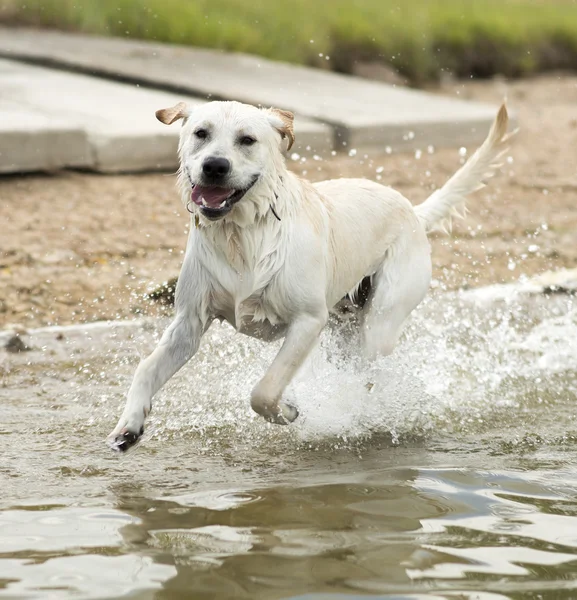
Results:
123 441
286 414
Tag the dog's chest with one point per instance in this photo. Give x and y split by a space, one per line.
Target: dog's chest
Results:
247 287
249 309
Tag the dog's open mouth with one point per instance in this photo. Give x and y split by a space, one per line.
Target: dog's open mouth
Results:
215 202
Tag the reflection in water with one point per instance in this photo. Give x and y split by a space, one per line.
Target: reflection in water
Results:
270 543
445 471
442 530
86 576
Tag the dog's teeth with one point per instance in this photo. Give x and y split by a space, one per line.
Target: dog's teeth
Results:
203 201
221 205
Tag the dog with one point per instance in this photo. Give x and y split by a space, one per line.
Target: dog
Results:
272 254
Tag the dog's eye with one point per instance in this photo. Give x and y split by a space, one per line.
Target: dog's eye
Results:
247 140
201 134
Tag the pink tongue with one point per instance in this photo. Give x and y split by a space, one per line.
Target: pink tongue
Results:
213 196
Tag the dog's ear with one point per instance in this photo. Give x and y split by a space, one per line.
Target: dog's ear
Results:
169 115
283 122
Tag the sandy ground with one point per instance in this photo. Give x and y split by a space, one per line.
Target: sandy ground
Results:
77 247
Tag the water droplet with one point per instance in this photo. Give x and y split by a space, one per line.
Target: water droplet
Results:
462 151
418 154
388 150
352 152
295 156
379 169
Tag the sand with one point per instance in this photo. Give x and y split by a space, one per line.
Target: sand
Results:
78 247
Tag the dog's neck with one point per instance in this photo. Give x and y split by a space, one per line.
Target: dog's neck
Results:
256 226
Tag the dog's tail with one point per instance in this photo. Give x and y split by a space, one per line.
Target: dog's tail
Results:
449 201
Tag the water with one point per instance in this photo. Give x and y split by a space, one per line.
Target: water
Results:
444 471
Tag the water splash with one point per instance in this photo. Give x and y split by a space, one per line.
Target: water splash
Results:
466 360
470 362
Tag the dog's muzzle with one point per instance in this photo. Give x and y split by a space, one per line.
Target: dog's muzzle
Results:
214 201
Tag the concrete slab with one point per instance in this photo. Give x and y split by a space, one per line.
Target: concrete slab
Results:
53 119
363 113
34 142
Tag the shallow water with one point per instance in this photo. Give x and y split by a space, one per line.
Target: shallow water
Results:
444 471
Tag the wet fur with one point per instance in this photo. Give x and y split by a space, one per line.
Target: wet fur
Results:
290 251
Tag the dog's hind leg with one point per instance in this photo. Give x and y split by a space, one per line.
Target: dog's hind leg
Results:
399 285
266 398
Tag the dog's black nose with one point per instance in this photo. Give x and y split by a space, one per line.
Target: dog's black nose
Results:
216 168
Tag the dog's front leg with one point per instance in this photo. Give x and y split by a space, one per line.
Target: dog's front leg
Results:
299 341
176 347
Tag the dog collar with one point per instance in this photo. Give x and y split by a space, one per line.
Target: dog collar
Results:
272 207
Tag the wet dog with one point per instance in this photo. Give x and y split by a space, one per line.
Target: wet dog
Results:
272 254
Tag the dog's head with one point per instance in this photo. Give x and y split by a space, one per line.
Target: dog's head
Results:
230 157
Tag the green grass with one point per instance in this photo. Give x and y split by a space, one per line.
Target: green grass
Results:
420 38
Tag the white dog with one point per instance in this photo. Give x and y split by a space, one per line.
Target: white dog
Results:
272 254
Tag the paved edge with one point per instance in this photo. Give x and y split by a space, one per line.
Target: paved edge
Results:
41 136
46 147
470 130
